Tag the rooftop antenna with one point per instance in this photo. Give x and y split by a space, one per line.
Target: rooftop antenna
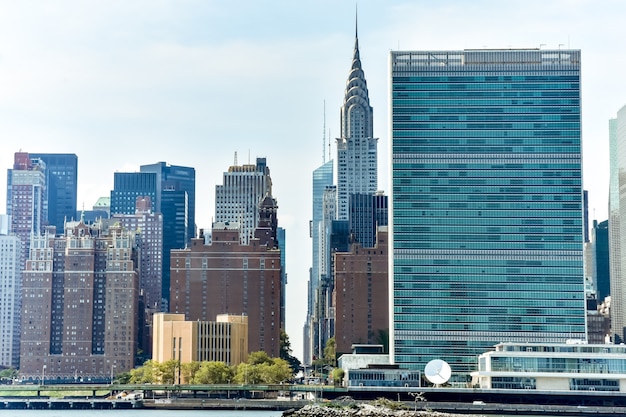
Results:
248 156
324 137
329 157
356 20
235 158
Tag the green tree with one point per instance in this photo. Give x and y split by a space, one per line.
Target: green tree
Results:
213 373
330 352
338 374
262 369
188 370
285 353
166 371
144 374
123 378
248 373
279 371
257 358
8 374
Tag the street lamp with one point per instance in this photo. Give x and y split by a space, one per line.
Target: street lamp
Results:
111 379
43 375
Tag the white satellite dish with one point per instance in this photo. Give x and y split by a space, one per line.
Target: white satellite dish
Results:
437 371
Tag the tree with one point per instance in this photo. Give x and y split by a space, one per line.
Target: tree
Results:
145 374
248 373
8 374
285 353
261 369
166 371
330 352
278 372
338 374
257 358
189 370
123 378
213 373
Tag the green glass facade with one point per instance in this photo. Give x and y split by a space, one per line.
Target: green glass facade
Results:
487 225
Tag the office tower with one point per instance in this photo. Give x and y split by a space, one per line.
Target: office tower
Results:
127 186
174 178
176 200
80 297
600 239
238 198
229 277
321 325
487 233
61 180
617 224
223 340
361 294
10 291
367 213
357 170
322 178
26 198
148 228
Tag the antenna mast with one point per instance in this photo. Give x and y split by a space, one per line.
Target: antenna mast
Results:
329 158
324 137
235 158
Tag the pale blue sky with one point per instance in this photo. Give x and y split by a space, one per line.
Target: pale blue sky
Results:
190 82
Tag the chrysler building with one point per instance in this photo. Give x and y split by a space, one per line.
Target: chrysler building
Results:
356 148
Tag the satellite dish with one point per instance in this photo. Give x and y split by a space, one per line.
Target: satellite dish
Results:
437 371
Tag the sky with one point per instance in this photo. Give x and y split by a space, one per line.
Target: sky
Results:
124 83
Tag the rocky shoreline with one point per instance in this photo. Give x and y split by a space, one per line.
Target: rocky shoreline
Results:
357 409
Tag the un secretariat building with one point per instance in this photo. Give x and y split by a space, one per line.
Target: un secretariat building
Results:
487 231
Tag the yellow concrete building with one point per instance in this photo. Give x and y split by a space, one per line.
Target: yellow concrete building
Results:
223 340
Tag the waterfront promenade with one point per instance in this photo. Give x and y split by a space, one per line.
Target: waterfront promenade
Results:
293 397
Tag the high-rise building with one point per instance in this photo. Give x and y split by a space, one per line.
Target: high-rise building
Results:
127 186
367 213
27 203
600 239
357 149
62 184
361 294
322 178
179 179
148 229
10 296
238 198
228 277
80 297
617 224
487 232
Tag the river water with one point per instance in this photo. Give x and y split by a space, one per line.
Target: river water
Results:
151 413
137 413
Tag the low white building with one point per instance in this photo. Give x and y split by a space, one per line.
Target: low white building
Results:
553 367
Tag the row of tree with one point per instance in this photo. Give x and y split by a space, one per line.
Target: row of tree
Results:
259 369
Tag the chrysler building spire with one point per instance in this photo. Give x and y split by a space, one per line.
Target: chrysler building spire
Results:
356 148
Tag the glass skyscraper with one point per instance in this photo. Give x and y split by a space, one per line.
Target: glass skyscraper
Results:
617 224
61 180
487 224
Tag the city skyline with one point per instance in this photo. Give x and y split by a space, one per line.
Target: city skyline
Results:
121 86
